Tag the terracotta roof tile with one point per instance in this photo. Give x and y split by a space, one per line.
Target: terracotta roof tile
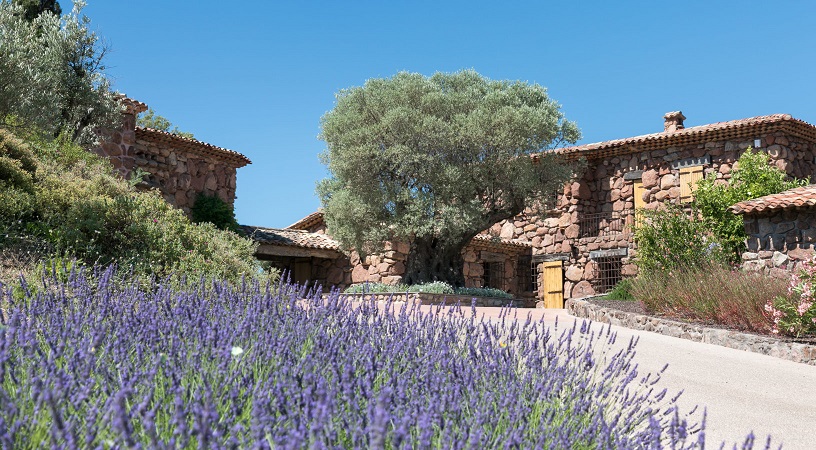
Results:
291 238
801 197
490 241
749 128
309 221
131 106
193 145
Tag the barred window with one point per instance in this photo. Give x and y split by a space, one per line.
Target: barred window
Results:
494 275
524 274
607 273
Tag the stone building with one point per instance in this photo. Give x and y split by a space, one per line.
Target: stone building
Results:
308 253
181 168
781 230
584 245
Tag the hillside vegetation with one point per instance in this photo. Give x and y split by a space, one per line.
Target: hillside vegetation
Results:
59 201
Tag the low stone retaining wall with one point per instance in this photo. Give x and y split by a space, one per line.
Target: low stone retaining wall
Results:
802 353
448 299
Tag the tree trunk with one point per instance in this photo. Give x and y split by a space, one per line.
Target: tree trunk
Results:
431 259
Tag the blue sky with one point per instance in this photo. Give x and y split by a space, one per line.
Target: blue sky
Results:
256 76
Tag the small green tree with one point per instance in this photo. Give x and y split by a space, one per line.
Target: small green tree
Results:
149 119
752 177
212 209
435 160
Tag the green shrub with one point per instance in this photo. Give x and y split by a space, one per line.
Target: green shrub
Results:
436 287
622 291
669 238
17 170
375 288
752 177
75 207
483 292
216 211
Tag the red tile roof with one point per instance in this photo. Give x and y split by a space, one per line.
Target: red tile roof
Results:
486 240
801 197
131 106
292 238
193 145
482 240
750 128
310 221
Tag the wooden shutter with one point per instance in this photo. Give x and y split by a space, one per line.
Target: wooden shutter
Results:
689 176
638 191
553 276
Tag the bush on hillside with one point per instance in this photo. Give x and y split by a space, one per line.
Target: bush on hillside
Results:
73 206
212 209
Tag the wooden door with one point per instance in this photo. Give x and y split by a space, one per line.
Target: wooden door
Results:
553 277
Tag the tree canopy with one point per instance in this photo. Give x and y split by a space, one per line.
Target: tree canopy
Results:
52 74
435 160
149 119
33 8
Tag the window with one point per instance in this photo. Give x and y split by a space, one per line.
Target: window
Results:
689 176
607 273
524 274
608 223
494 275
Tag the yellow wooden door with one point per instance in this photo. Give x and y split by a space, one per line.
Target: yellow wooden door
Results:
553 276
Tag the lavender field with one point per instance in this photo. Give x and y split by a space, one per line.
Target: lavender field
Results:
90 362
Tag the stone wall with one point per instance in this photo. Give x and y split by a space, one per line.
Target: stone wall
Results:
170 163
766 345
778 243
606 188
183 175
389 267
119 145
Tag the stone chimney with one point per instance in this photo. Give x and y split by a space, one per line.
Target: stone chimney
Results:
673 121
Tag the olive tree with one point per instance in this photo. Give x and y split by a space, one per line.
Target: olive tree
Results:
52 74
433 161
